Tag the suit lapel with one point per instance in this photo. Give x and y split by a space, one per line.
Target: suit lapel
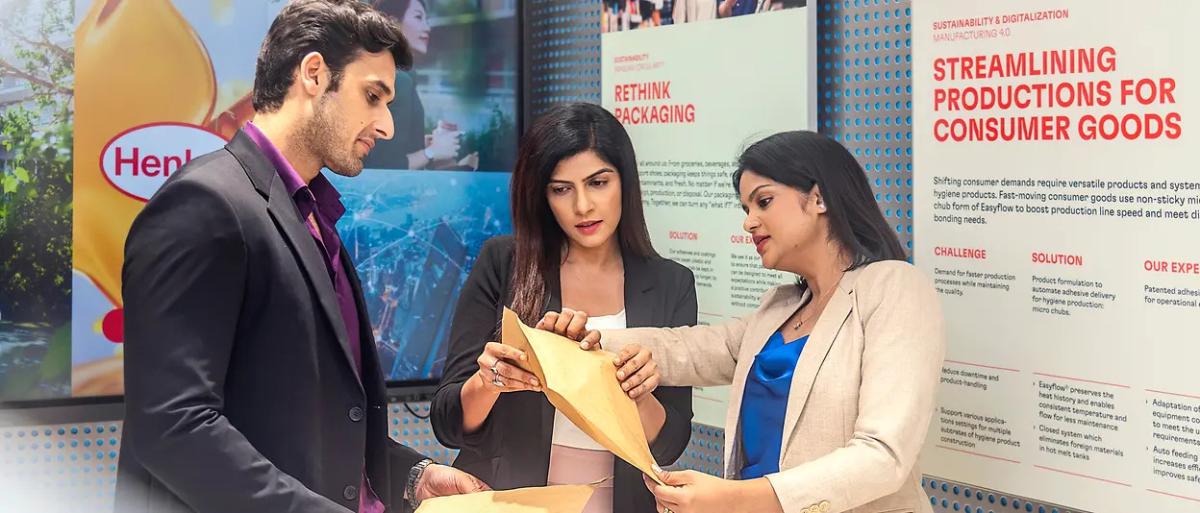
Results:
370 356
546 412
639 309
283 211
824 334
295 231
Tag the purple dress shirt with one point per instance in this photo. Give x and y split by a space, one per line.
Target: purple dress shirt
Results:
318 201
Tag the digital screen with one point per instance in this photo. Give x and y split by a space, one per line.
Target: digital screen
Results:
101 79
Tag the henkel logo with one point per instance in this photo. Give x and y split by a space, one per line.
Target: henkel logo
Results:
138 161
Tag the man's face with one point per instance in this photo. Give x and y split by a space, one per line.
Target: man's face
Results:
346 122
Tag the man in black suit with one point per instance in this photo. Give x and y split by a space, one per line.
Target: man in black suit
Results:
252 383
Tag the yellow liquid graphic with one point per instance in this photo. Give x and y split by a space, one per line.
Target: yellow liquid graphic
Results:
136 62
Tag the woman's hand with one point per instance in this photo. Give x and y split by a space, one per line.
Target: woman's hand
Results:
573 325
637 371
689 491
499 373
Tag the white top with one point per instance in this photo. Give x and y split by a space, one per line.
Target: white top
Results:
565 433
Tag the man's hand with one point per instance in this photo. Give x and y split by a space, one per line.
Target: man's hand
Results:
440 481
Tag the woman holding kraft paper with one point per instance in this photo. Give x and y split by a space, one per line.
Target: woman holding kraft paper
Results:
581 242
833 376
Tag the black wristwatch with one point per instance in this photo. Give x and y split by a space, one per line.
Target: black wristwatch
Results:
414 477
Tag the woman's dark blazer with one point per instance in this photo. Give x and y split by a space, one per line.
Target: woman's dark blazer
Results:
512 448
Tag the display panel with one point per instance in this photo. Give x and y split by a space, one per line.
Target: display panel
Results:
102 100
1055 194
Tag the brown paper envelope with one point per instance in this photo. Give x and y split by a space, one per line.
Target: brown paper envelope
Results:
583 386
548 499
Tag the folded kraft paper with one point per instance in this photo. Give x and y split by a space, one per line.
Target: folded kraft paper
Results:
583 386
546 499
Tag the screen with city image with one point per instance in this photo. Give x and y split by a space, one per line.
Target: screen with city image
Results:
81 90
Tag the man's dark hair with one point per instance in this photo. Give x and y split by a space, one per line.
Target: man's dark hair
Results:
337 29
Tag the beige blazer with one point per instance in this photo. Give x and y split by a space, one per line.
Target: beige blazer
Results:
688 11
861 396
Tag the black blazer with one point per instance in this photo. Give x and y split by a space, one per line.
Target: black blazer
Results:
240 387
512 448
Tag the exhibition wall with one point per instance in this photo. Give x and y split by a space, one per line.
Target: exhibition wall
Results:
1032 158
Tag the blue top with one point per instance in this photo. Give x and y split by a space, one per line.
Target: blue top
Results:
764 404
743 7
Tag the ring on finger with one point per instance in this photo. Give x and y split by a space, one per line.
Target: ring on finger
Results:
496 380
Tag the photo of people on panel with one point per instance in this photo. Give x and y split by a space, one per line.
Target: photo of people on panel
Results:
456 108
625 15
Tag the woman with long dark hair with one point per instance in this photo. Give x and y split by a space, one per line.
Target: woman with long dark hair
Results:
580 243
833 376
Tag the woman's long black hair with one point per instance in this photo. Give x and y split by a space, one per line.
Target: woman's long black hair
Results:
560 133
802 159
